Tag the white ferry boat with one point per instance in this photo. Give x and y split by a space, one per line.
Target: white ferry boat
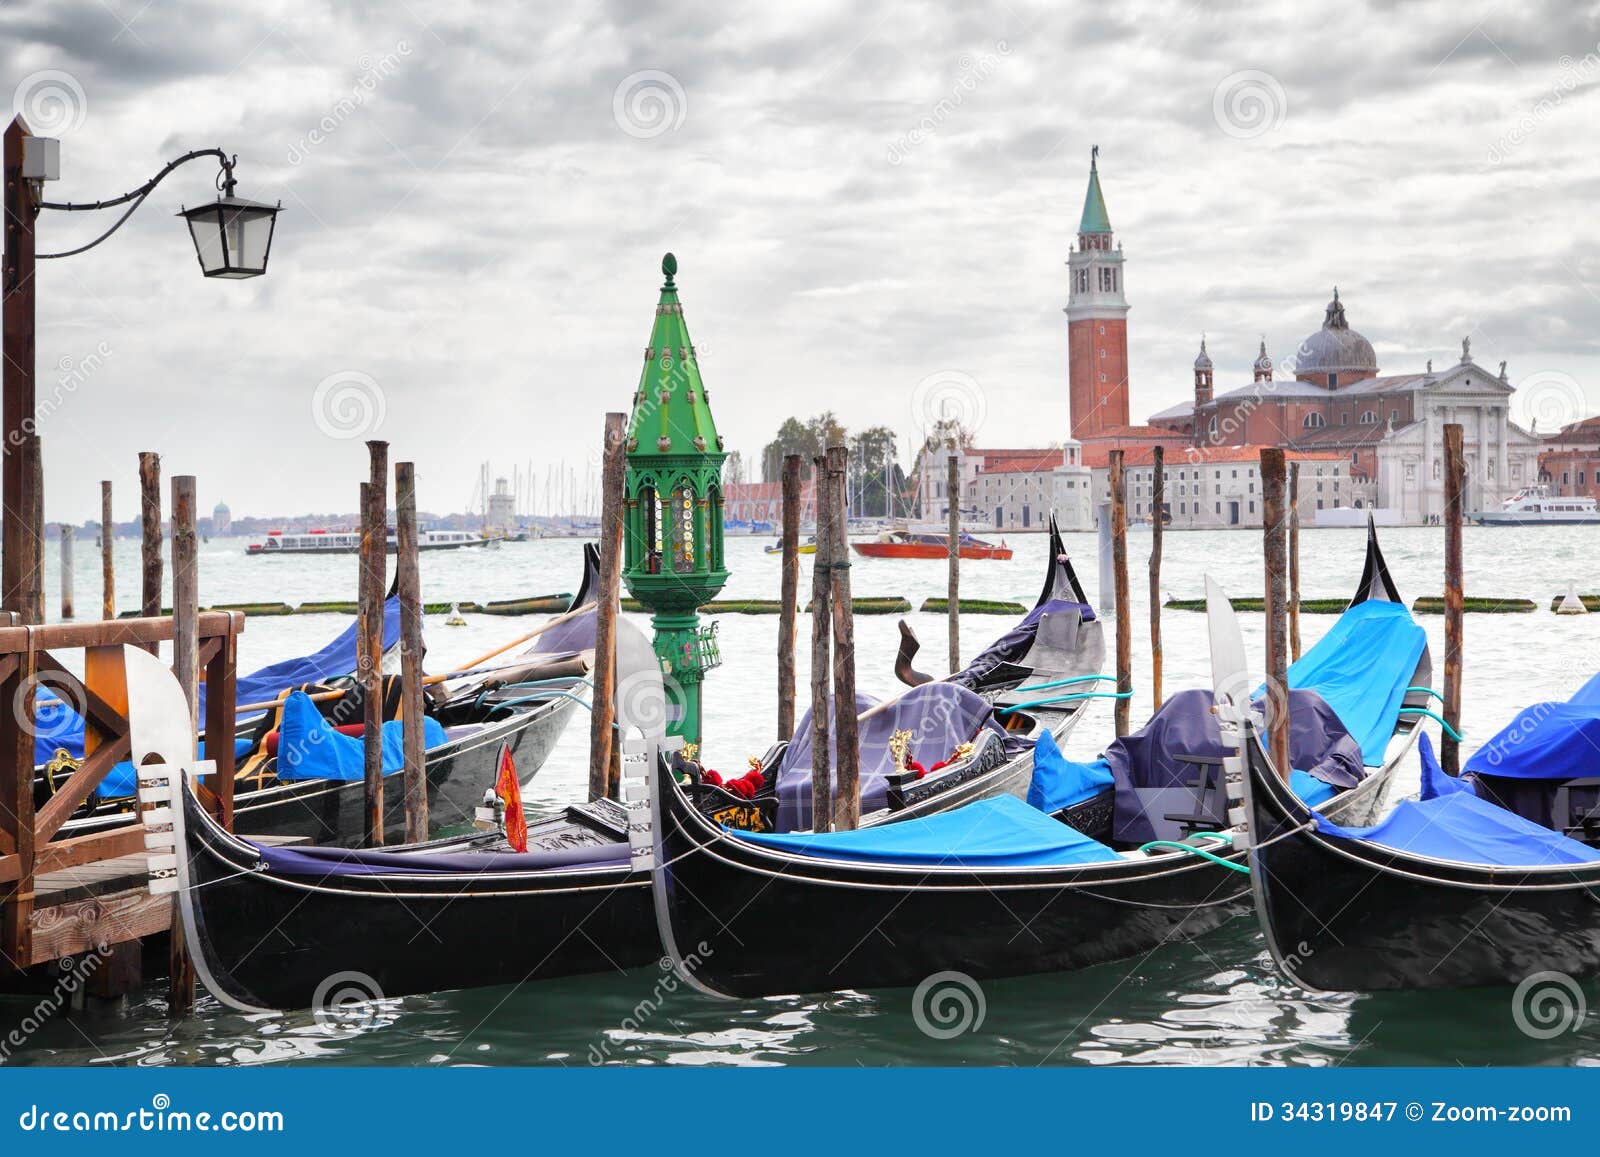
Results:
1535 505
349 542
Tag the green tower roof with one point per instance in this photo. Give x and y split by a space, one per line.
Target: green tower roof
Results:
671 413
1095 217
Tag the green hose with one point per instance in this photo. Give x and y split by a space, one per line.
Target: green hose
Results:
1448 730
1201 852
1426 691
1063 699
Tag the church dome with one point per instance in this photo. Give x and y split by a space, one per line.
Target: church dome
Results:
1263 362
1203 362
1335 348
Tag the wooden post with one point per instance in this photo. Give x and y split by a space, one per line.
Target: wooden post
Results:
605 766
409 580
21 558
375 549
821 630
953 496
150 526
789 594
847 793
1157 497
1455 482
185 652
1119 565
108 570
66 572
1294 561
1274 525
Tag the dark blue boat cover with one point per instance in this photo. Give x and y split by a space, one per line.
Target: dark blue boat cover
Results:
60 728
1452 823
939 716
991 833
1017 642
1546 741
1362 667
1148 762
310 748
324 862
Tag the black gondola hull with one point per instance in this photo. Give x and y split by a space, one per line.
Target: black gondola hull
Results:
1346 915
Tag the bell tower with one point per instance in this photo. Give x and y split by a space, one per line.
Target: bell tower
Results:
1097 320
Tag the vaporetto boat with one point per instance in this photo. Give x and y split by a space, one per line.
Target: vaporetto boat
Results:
1535 505
349 541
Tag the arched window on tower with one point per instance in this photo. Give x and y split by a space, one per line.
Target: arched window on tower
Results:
1369 417
1313 421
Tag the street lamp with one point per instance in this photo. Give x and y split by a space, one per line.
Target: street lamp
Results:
232 238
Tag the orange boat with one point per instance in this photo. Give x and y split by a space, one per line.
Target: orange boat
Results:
928 544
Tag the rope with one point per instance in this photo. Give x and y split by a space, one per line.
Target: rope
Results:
1448 730
1063 699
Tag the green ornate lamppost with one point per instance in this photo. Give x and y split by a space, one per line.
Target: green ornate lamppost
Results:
672 561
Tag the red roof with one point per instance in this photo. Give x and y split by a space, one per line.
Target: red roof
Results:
1100 456
1019 461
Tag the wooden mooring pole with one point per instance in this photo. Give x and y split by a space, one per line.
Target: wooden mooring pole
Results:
847 792
789 594
150 528
374 551
821 649
1274 526
1119 566
952 487
108 569
605 757
185 665
408 578
66 572
1157 500
1294 562
1455 483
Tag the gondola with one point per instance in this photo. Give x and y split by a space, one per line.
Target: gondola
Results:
1450 890
525 702
1001 888
267 925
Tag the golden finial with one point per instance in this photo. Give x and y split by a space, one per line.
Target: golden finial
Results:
755 763
690 751
900 748
963 751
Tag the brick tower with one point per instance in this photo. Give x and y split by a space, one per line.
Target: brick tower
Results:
1097 320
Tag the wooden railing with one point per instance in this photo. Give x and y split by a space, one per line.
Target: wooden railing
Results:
28 847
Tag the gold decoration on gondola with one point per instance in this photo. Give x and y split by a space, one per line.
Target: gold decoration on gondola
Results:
755 763
963 751
60 762
900 748
690 751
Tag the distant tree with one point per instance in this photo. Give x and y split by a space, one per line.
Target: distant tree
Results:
733 469
875 474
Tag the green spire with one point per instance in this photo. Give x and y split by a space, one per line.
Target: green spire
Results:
1095 217
671 414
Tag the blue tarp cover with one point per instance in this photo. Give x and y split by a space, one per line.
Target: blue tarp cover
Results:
59 728
1454 824
1059 782
309 748
1362 667
939 716
997 832
1547 741
122 780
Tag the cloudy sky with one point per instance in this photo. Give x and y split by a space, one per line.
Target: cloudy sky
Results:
871 206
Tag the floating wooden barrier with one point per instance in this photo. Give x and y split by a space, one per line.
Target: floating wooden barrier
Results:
538 605
971 607
255 608
1307 606
1481 605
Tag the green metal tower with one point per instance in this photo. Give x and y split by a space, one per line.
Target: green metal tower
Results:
672 553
